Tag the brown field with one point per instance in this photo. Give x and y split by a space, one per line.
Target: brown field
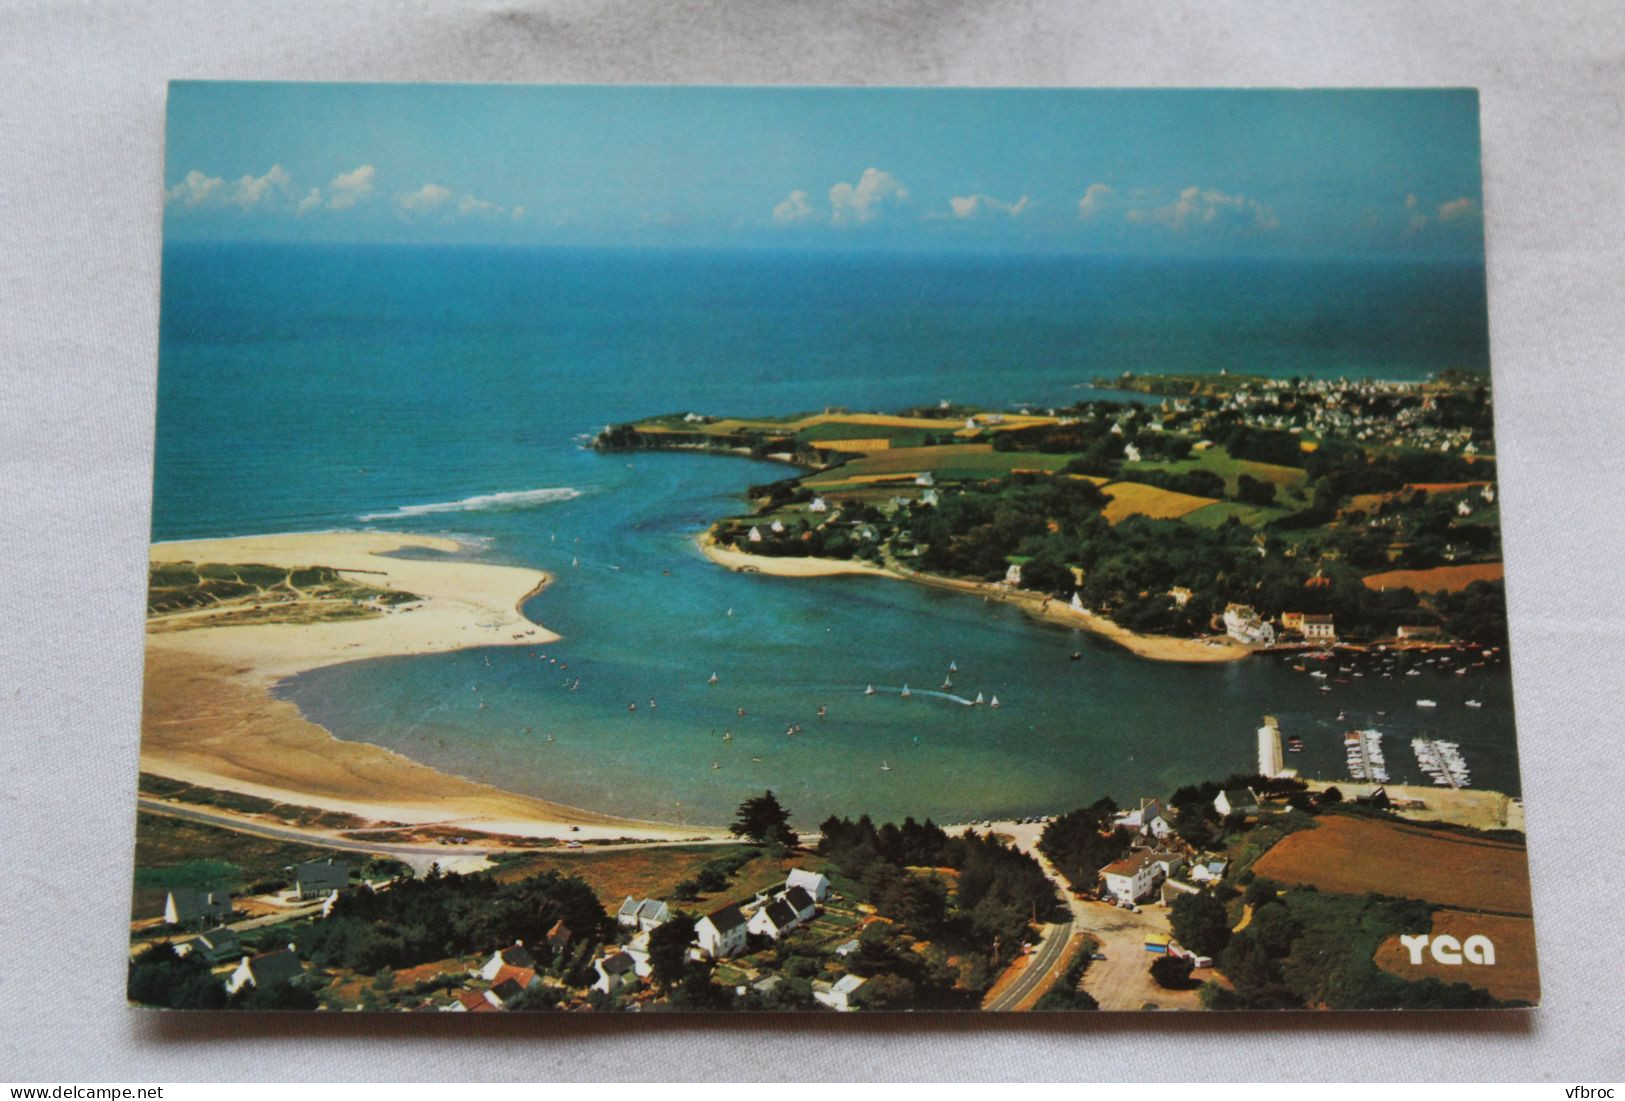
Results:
1136 499
651 873
878 443
1444 487
1355 855
1447 579
1514 976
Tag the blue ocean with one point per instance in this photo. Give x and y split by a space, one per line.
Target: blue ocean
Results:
446 390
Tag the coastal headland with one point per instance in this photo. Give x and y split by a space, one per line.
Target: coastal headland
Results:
209 717
1037 605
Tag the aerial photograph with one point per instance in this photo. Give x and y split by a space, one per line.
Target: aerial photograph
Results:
656 549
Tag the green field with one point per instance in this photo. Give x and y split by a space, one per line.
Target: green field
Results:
1219 461
1215 515
948 462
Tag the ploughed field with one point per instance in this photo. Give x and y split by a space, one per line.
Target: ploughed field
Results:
1513 977
1356 855
1447 579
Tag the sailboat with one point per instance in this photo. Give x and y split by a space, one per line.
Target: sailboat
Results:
716 764
482 705
575 561
712 679
947 683
978 700
727 735
953 667
869 691
884 767
994 702
730 613
906 693
822 711
1473 703
550 739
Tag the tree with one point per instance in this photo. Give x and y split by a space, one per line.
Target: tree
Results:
763 819
1254 491
1199 923
668 951
1172 972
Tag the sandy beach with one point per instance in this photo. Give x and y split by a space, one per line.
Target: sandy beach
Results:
1152 647
209 717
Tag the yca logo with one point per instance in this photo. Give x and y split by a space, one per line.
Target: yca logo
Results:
1446 949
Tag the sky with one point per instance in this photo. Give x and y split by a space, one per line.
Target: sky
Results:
1334 174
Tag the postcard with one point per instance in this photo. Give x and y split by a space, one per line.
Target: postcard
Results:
828 550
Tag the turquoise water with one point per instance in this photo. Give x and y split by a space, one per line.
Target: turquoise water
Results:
443 390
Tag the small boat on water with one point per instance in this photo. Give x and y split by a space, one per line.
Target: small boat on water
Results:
1077 655
978 701
727 735
869 691
1474 703
730 613
631 707
822 711
905 693
884 767
947 683
953 667
1426 703
716 764
740 711
551 739
712 679
994 702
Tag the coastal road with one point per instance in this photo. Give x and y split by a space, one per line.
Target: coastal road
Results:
1043 966
407 850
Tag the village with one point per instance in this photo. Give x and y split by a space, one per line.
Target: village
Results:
1126 908
1234 512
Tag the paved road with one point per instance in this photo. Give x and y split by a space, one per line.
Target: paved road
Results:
1040 969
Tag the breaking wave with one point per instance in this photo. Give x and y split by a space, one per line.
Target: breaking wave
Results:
485 502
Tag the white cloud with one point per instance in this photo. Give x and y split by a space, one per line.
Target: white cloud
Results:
1456 209
970 206
427 197
1095 198
253 190
196 189
793 209
470 207
350 188
855 204
1209 207
311 201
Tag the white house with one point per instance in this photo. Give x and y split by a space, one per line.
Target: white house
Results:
1131 453
1236 801
925 479
183 905
515 955
929 497
1076 604
1012 576
216 945
818 505
1132 877
1244 625
320 878
638 949
721 933
773 920
649 913
1319 628
615 973
838 994
814 883
266 969
1208 871
776 527
755 535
